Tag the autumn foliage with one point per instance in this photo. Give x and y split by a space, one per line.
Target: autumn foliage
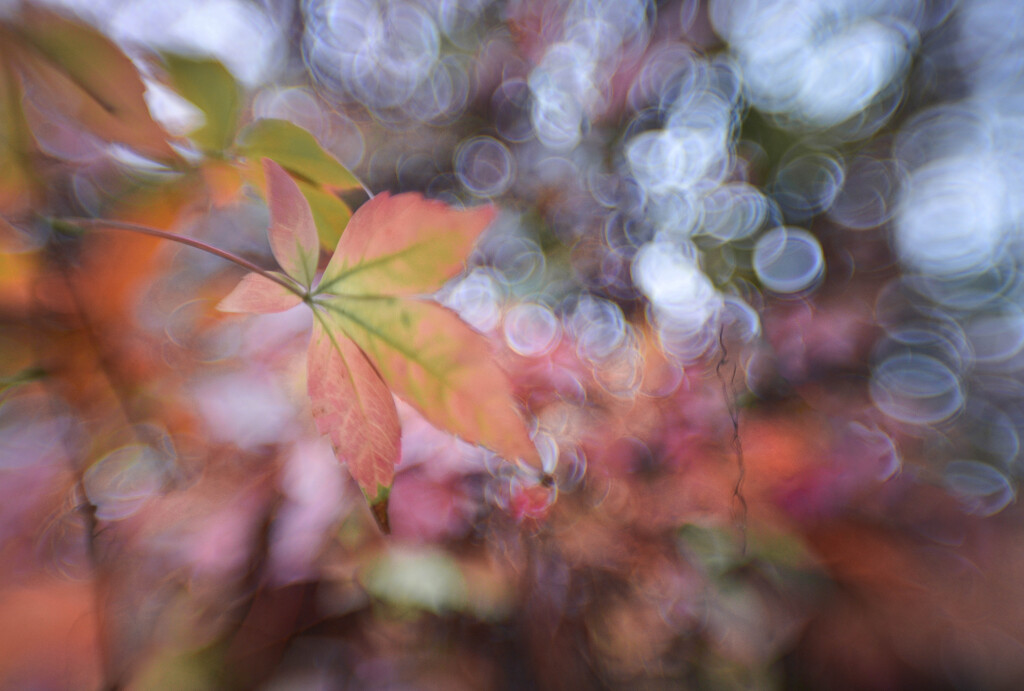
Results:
475 415
374 334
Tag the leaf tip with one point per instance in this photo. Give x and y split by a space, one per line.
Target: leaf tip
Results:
277 179
270 166
379 507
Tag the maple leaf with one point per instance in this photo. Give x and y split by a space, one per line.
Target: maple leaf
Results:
76 69
375 332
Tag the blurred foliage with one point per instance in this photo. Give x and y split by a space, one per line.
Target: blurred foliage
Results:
754 276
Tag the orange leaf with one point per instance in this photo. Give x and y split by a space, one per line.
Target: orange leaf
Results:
223 181
259 295
352 405
403 245
438 364
88 77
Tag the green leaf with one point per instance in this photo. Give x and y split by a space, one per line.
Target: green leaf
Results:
18 181
296 150
211 87
330 213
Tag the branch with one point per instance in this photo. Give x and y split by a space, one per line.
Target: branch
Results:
107 224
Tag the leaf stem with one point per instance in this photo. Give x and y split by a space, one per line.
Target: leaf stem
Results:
107 224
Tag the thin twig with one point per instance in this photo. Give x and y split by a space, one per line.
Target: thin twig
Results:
83 505
729 394
107 224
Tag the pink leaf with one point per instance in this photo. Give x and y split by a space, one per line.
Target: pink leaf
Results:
80 71
403 245
259 295
353 406
293 237
438 364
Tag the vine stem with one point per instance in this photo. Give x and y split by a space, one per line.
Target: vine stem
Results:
107 224
729 395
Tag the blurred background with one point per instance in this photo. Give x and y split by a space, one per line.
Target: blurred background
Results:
754 275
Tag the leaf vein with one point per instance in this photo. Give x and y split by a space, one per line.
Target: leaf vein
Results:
371 264
408 354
